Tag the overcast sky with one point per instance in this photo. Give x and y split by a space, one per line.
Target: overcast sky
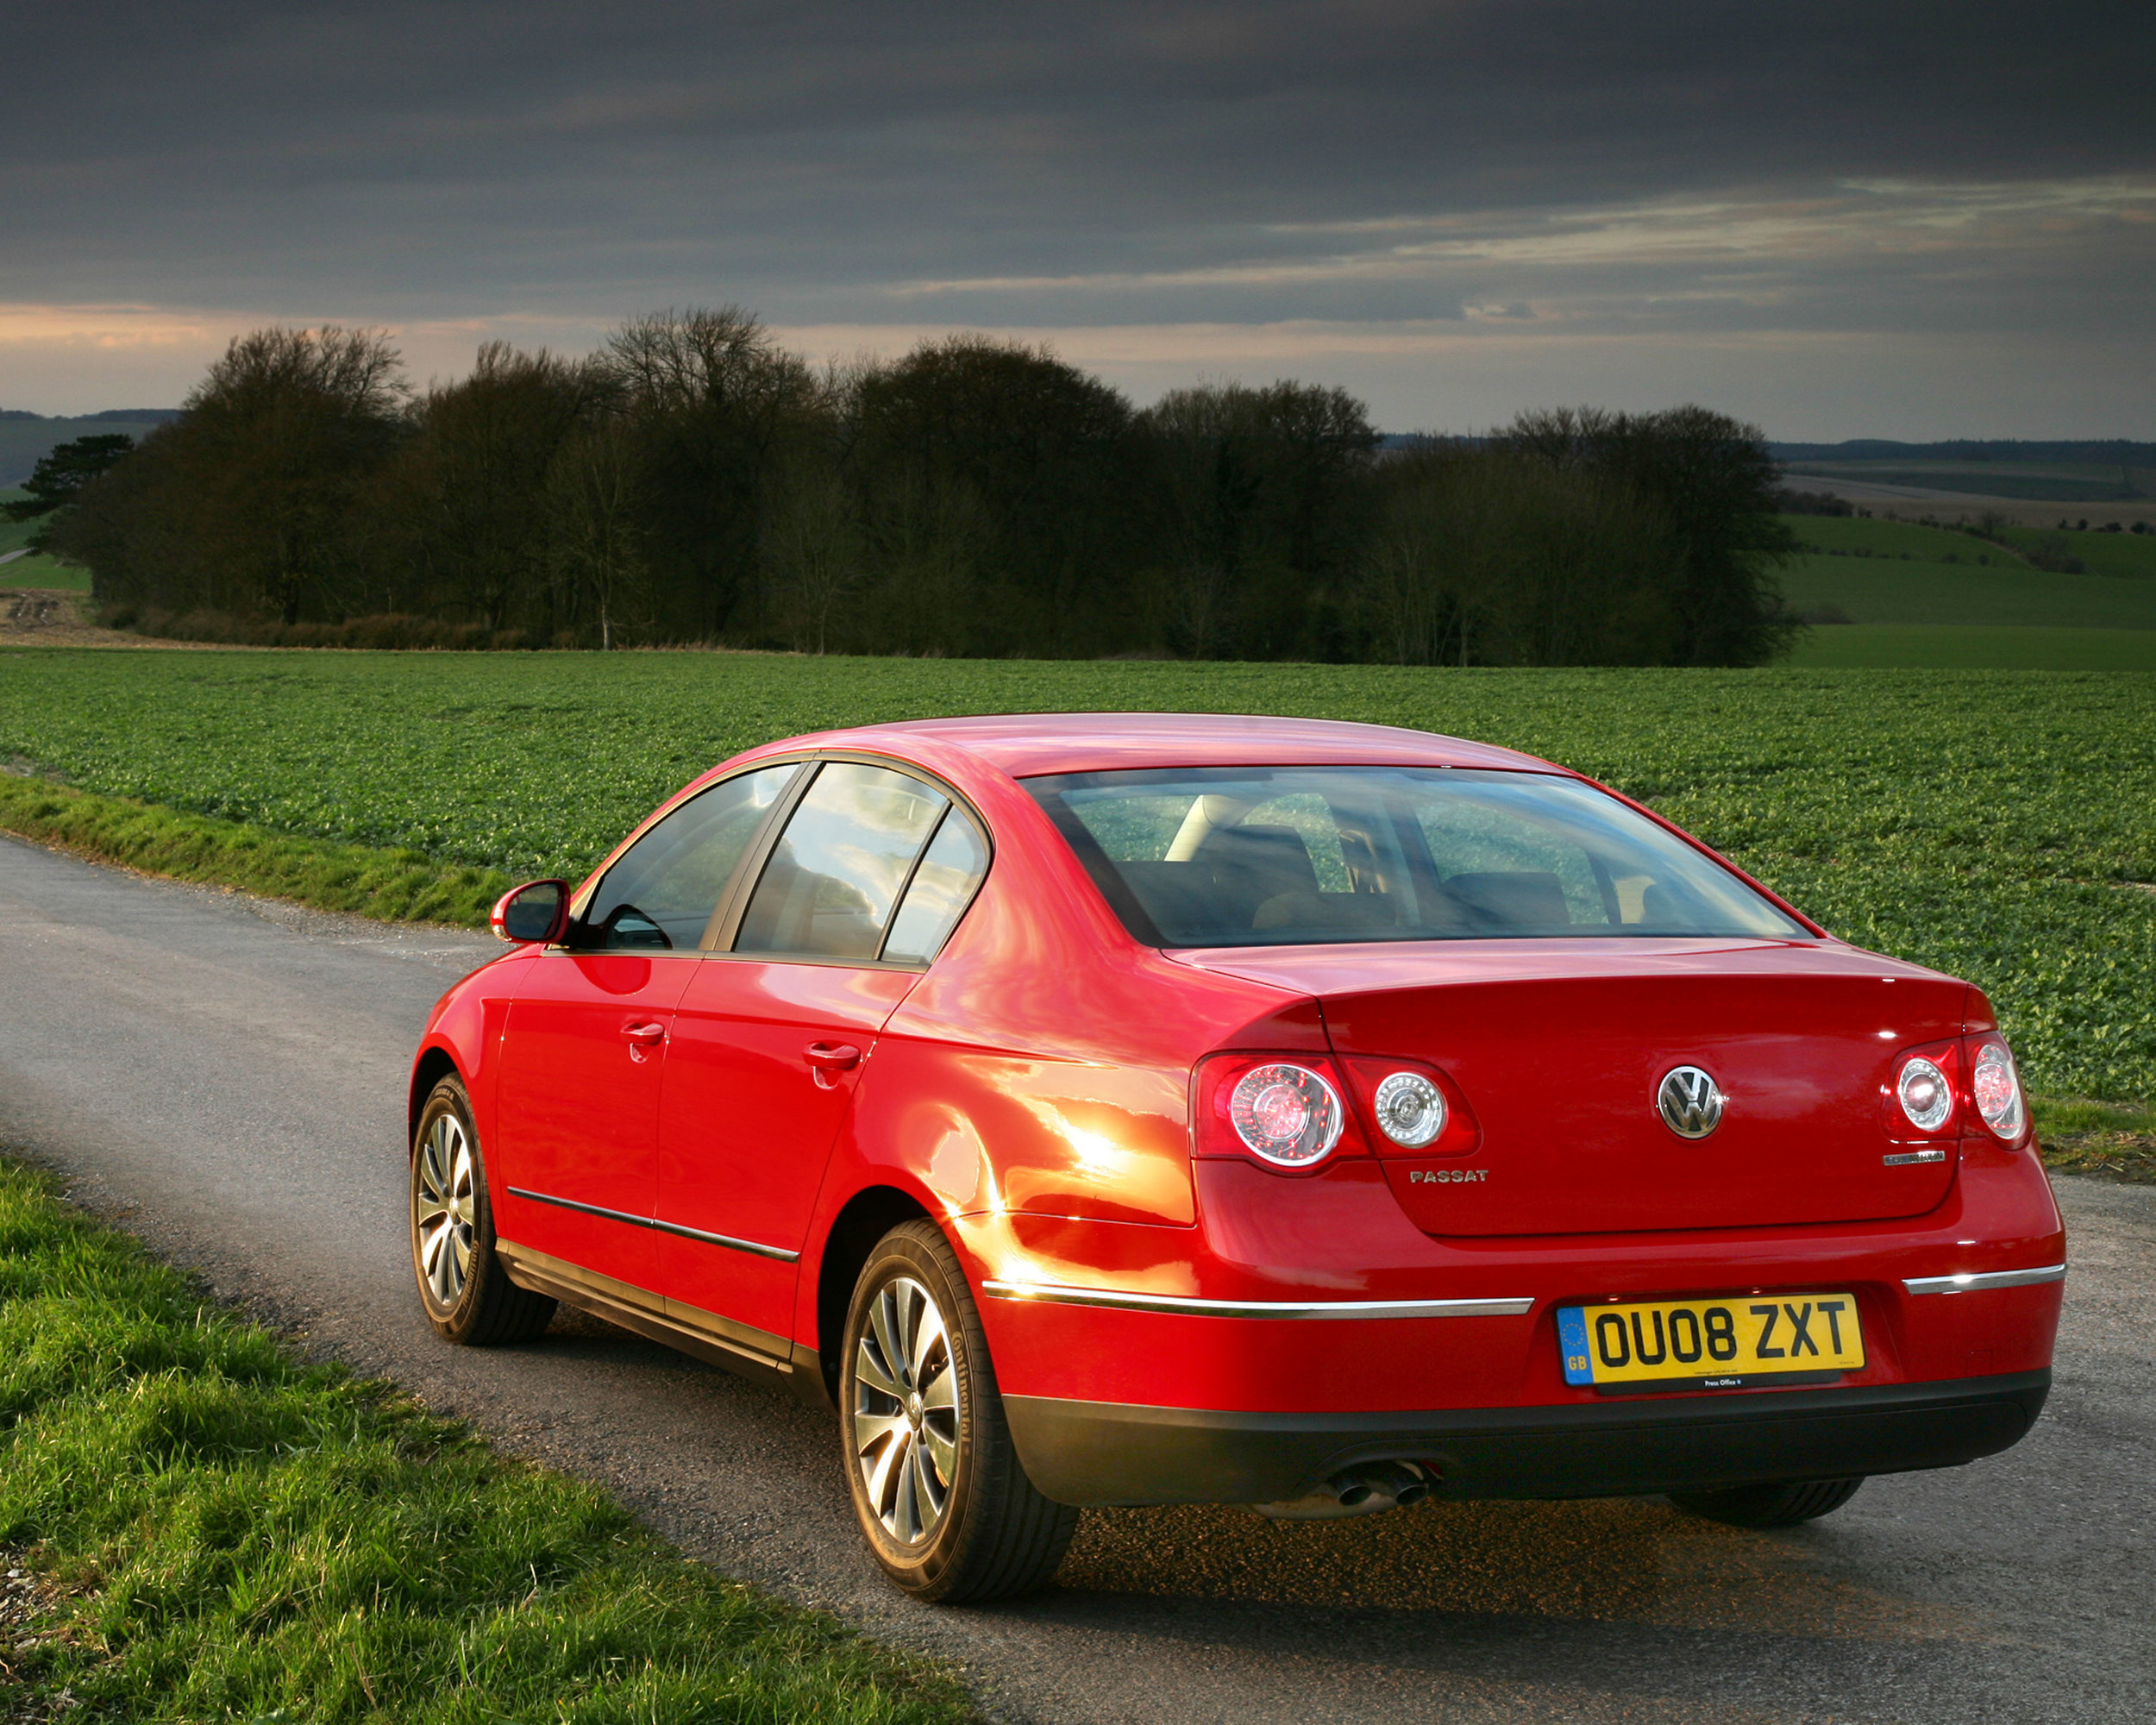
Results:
1890 219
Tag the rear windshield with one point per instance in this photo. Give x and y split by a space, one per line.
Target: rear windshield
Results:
1302 856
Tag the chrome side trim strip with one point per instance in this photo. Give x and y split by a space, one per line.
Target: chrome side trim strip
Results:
724 1341
1052 1294
1971 1282
760 1250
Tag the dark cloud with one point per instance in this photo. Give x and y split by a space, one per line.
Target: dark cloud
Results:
1099 164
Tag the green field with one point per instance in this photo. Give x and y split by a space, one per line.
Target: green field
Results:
1884 590
1933 598
1860 537
2106 553
1993 824
1956 647
34 571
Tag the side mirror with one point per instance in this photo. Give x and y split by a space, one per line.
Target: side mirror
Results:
538 911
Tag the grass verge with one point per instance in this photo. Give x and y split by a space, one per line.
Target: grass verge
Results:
2115 1140
214 1528
395 886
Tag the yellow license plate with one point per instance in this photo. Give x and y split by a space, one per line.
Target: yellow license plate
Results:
1729 1344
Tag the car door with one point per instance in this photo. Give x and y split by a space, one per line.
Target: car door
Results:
861 887
586 1041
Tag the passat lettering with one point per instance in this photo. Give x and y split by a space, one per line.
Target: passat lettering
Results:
1445 1176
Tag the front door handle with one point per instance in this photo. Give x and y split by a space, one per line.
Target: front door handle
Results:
644 1035
832 1057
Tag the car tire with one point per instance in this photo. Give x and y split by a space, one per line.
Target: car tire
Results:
1772 1505
936 1483
463 1287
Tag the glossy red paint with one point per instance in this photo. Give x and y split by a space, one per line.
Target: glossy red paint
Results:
1032 1091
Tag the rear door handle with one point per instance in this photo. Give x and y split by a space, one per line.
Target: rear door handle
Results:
644 1035
832 1057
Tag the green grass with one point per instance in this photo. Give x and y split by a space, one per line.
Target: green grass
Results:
39 570
1898 646
1855 535
249 1536
396 885
2132 554
2081 1137
1881 590
1987 823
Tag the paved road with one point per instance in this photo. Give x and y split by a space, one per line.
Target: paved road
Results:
227 1078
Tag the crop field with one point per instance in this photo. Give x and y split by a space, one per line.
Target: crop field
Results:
1974 647
2001 825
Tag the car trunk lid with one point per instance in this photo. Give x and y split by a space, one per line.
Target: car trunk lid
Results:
1559 1049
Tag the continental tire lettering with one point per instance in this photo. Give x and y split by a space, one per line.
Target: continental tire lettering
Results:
1445 1177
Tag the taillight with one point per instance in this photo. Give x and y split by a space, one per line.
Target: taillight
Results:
1996 1087
1942 1089
1418 1110
1921 1096
1926 1095
1285 1112
1410 1109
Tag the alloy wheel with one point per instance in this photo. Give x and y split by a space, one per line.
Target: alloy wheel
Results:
444 1209
907 1411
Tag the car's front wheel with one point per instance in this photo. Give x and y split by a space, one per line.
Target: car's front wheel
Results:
468 1295
936 1485
1770 1505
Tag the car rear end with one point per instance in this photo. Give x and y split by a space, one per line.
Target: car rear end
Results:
1571 1164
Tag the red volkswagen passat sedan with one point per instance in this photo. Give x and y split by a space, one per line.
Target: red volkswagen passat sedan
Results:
1114 1109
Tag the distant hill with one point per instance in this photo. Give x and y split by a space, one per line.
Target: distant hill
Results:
2094 452
26 437
2084 471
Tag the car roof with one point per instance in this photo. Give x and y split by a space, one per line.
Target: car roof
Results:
1027 745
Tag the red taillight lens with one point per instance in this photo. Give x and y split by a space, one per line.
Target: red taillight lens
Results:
1996 1087
1284 1111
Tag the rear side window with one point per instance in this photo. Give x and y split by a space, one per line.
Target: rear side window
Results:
835 877
665 892
1304 856
949 874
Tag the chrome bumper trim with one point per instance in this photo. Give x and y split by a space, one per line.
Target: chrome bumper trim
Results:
655 1224
1051 1293
1971 1282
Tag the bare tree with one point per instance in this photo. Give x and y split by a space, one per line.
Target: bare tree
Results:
595 544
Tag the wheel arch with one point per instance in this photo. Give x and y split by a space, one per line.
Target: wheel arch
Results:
864 1219
435 1064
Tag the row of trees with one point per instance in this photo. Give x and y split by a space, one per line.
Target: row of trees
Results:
693 480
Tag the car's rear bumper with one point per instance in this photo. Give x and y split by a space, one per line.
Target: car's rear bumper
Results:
1098 1452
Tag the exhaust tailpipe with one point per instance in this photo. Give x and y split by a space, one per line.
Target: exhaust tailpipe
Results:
1367 1489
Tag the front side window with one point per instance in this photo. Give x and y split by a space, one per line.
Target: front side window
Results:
838 870
665 893
1302 856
